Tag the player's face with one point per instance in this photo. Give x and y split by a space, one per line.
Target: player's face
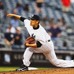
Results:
34 23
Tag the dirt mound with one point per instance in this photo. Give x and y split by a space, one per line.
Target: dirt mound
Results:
45 71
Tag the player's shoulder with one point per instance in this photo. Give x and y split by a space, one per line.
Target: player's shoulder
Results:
27 20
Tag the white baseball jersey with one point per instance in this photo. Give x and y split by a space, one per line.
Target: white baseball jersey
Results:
39 34
47 47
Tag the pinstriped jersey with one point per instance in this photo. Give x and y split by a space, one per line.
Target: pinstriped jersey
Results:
39 34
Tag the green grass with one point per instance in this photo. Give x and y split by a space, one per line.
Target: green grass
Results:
4 69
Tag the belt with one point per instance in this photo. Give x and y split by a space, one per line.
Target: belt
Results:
45 41
40 44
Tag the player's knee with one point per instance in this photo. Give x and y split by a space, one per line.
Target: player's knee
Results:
57 63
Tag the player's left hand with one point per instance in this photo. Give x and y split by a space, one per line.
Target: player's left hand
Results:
10 15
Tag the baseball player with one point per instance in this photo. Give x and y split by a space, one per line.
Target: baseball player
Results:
43 43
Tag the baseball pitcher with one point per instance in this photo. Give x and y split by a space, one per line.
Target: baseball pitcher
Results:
39 42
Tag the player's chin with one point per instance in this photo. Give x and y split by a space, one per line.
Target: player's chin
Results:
32 25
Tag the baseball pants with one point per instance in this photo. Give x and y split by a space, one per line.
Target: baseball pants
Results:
47 49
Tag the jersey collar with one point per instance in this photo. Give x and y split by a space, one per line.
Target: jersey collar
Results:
36 27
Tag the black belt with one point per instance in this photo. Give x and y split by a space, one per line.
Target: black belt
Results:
39 44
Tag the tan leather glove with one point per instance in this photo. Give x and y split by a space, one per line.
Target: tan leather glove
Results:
30 42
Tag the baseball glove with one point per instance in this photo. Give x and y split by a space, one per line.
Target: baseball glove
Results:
30 42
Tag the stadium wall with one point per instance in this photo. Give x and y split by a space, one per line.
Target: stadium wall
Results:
14 58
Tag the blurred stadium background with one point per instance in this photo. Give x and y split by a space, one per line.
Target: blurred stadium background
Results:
57 17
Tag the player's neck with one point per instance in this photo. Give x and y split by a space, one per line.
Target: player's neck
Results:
35 27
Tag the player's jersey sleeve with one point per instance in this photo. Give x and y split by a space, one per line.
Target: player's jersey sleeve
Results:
27 25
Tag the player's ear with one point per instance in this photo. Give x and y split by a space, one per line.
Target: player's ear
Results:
37 22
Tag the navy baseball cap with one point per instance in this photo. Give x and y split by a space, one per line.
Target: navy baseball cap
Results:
35 17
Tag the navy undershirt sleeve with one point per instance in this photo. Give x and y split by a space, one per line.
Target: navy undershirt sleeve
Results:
22 19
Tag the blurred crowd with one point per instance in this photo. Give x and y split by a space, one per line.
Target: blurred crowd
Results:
14 34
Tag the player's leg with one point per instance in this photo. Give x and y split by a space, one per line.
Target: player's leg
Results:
51 56
27 56
26 60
